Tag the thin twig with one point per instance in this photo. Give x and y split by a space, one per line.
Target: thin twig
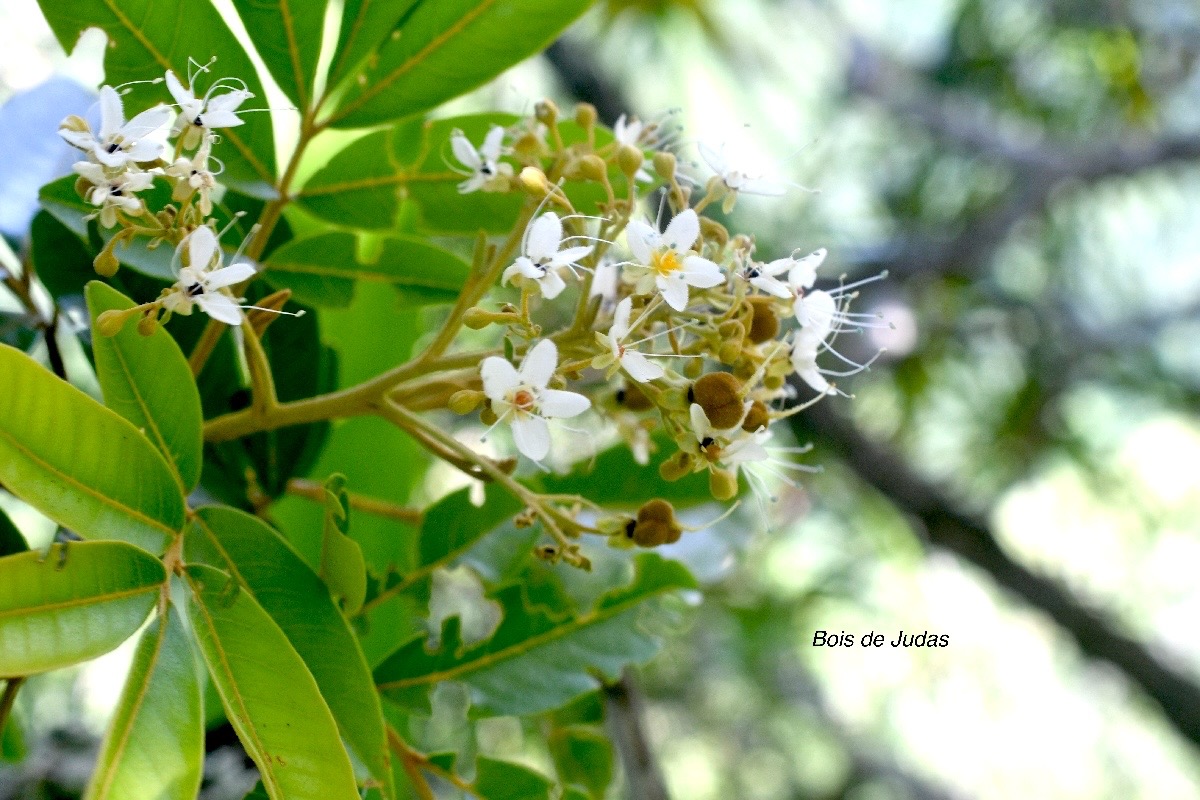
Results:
312 490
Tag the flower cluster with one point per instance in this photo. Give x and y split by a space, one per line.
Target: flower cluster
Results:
172 143
692 341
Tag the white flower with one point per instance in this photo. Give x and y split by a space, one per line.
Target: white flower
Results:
668 259
201 282
119 142
804 270
487 171
737 181
193 175
801 274
636 365
522 398
817 312
542 258
727 447
197 115
807 344
113 192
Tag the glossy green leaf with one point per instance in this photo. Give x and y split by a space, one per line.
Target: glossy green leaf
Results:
567 653
154 748
323 269
502 780
453 525
11 540
615 478
73 603
365 24
146 379
269 696
79 463
271 572
583 757
287 34
259 792
442 49
342 565
146 38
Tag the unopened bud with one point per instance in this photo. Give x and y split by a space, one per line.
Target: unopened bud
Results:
720 395
593 168
585 115
757 417
534 181
714 232
722 484
476 318
148 324
111 322
676 466
630 159
732 329
693 367
773 382
729 352
106 263
664 165
764 322
546 112
487 416
465 401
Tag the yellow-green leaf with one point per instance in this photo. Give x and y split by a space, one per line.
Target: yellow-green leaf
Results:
79 463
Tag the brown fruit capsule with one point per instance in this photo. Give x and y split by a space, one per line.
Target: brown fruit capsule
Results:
764 322
720 395
655 525
632 397
757 417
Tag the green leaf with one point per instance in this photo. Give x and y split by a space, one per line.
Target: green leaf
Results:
146 38
287 34
11 540
342 565
501 780
583 757
269 696
614 478
565 652
12 740
443 49
365 24
79 463
154 749
146 379
275 576
322 269
259 792
453 525
73 603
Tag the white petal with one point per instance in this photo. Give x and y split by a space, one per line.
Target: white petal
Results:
701 427
220 308
813 378
234 273
570 256
510 272
93 172
221 119
148 122
674 290
642 240
620 325
744 450
777 267
492 143
112 114
557 403
144 150
202 245
499 377
473 183
527 268
532 436
816 310
545 235
772 286
539 364
177 90
804 273
225 103
640 368
464 151
551 284
701 272
715 160
116 158
763 187
81 139
683 231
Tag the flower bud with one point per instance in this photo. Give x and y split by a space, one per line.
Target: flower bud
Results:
655 525
106 263
546 112
593 168
148 324
676 466
476 318
729 352
757 417
773 382
487 416
585 115
732 329
722 484
534 181
764 322
111 322
664 165
693 367
465 401
74 123
720 395
630 159
714 232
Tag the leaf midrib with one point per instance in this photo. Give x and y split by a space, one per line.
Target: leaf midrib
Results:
95 599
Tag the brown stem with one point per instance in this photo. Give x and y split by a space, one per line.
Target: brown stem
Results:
8 699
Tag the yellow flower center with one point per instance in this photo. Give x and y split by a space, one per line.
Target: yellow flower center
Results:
665 261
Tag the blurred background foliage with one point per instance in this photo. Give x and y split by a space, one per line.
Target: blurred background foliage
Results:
1017 472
